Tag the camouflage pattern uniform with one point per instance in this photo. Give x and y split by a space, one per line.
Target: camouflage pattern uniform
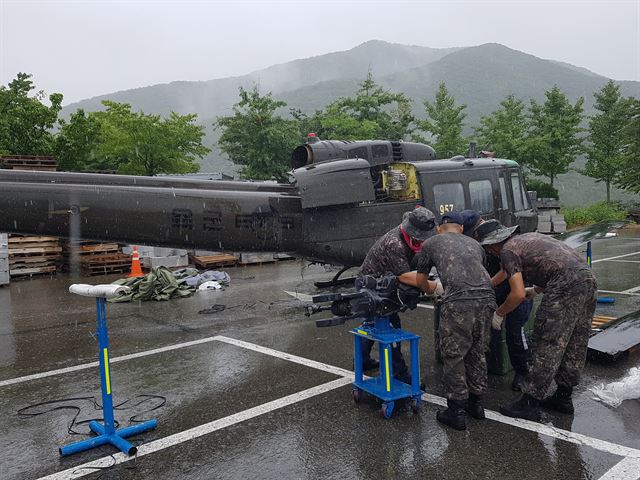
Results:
390 254
466 311
563 319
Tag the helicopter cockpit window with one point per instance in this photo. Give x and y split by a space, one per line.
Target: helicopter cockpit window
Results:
481 195
503 192
360 152
448 197
518 194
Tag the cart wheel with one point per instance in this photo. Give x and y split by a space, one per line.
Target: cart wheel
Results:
387 409
357 394
416 404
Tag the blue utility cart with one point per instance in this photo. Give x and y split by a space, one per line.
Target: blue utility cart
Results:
384 386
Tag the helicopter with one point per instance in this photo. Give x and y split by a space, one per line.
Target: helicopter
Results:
343 195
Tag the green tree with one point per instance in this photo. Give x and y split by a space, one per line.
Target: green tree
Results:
629 175
256 138
140 144
553 141
504 131
25 121
606 140
444 123
76 141
373 113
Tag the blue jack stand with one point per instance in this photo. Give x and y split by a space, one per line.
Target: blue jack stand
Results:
107 433
384 386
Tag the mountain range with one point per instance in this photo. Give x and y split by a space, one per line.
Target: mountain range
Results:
479 76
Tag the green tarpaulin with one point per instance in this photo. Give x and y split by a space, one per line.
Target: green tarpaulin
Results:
160 284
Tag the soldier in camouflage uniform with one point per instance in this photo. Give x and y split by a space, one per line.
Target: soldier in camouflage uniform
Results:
467 307
393 253
514 321
563 319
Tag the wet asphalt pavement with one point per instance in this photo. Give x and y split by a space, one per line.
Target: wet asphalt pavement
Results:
324 435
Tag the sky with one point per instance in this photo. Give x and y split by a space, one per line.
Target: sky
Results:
87 48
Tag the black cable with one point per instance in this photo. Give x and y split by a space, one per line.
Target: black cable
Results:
160 402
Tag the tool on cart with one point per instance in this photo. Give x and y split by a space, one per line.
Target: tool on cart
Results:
373 304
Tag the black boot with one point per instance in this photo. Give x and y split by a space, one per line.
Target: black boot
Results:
518 380
526 407
454 415
474 406
560 401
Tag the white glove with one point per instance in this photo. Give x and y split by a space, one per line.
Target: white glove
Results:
530 292
439 288
496 322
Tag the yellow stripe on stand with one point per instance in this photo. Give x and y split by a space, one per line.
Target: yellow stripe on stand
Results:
106 370
386 368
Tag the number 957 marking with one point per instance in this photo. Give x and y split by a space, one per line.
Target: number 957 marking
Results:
446 207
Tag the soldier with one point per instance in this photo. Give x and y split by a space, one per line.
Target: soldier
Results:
563 319
393 253
515 320
467 307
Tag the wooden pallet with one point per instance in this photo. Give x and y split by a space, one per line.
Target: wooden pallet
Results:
13 240
28 162
31 255
91 248
14 272
600 320
213 261
105 264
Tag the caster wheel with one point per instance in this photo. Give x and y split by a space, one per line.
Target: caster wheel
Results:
357 395
387 409
416 404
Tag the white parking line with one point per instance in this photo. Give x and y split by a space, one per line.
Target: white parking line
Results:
628 464
122 358
626 469
632 290
195 432
618 293
287 356
614 258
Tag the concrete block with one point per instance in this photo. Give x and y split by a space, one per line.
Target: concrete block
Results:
544 227
256 257
559 226
4 278
169 261
143 250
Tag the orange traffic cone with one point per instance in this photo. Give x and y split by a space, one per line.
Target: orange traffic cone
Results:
136 269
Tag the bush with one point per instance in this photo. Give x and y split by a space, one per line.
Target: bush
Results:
543 189
593 213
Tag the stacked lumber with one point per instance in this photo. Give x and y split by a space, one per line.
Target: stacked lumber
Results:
213 261
28 162
32 255
95 258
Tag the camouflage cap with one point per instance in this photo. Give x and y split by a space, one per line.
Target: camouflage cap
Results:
492 232
419 223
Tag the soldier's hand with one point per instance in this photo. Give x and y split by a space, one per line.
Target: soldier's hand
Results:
496 322
530 292
439 288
